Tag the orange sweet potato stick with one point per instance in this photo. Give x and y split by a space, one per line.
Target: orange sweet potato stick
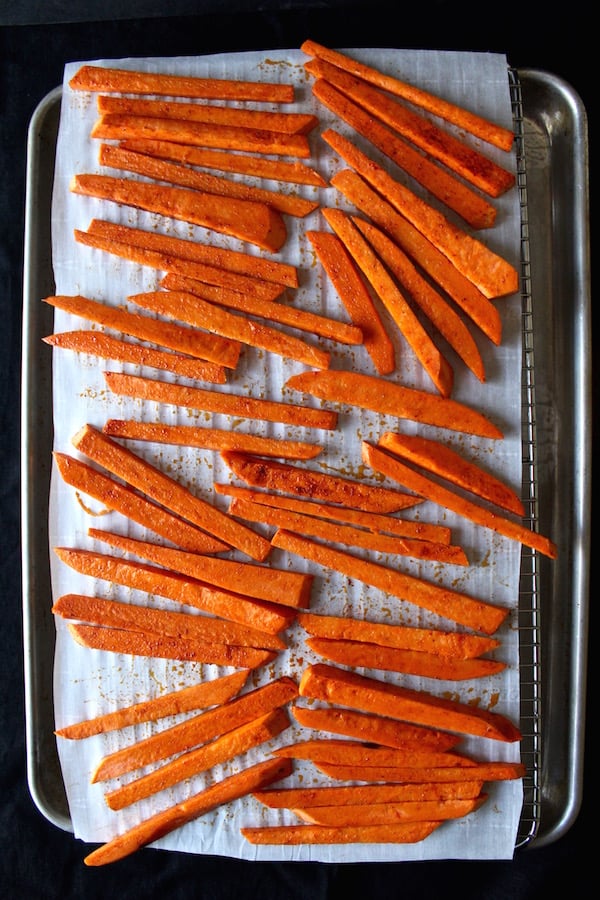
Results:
377 523
324 682
146 619
289 835
183 176
193 310
126 501
210 439
466 161
96 343
389 813
262 120
441 459
409 662
373 729
229 789
491 771
474 209
302 319
310 483
477 125
245 220
445 318
288 171
226 747
356 297
394 468
202 695
256 268
261 582
197 730
200 345
341 752
346 534
366 794
421 250
494 276
157 646
386 288
126 81
173 586
167 491
389 398
448 644
453 605
121 127
229 404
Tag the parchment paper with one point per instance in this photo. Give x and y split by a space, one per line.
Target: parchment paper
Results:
90 682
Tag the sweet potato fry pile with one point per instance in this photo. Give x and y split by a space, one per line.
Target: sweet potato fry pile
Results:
236 576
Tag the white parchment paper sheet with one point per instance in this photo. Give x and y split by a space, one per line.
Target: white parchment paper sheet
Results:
90 682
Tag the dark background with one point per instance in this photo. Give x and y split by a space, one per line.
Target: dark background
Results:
36 40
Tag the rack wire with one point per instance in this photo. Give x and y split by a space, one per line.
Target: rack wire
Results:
529 611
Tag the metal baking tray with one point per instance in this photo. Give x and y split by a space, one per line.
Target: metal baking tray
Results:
551 126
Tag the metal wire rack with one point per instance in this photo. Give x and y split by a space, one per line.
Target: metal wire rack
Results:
528 613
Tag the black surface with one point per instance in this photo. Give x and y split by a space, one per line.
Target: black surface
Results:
37 859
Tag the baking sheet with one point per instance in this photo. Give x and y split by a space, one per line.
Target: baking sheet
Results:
54 809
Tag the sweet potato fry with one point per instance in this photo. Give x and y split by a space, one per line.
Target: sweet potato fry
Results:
447 644
125 81
464 160
378 524
210 439
193 310
442 271
302 319
443 316
452 605
475 210
261 582
120 127
310 483
491 771
229 404
492 274
341 752
288 171
197 730
394 468
173 586
345 534
324 682
392 399
255 268
123 499
446 462
96 343
288 835
357 654
167 491
224 748
147 619
479 126
373 729
157 646
183 176
200 345
386 288
262 120
196 696
354 294
252 778
245 220
366 794
389 813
